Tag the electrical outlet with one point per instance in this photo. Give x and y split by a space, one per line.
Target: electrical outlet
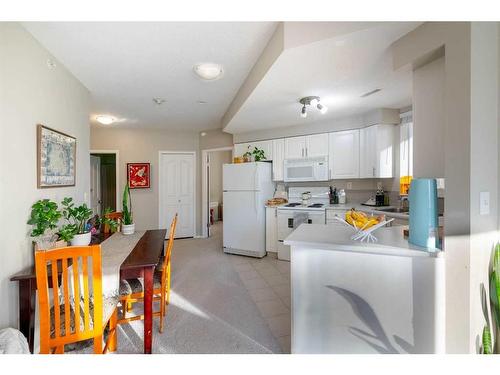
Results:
348 186
484 203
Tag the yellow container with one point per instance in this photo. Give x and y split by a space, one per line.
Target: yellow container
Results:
404 185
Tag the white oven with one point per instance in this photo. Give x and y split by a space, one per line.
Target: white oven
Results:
308 169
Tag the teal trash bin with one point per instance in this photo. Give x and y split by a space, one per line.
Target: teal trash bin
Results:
424 213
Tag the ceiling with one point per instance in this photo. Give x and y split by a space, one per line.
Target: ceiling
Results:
339 70
126 64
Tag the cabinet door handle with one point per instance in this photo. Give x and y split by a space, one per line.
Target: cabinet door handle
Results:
373 171
302 152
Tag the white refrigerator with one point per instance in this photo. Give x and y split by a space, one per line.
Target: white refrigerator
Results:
247 187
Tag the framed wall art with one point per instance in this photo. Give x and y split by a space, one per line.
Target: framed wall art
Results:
56 158
139 175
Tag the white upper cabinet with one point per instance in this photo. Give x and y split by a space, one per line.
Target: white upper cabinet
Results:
317 145
406 150
267 146
376 151
295 147
344 154
278 158
309 146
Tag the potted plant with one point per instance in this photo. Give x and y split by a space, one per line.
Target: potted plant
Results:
258 154
76 230
128 225
247 156
44 218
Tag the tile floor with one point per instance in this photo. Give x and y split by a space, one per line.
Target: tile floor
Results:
267 280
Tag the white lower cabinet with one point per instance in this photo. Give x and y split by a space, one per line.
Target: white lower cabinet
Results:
272 229
332 213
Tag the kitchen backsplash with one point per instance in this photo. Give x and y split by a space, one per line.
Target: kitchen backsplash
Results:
360 191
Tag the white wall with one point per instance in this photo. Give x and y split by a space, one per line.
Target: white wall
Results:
143 145
30 93
428 119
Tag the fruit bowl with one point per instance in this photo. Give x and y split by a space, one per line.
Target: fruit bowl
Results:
363 225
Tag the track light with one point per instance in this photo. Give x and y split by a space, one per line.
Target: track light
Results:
313 101
323 109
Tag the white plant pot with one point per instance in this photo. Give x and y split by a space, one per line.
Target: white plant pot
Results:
81 239
128 229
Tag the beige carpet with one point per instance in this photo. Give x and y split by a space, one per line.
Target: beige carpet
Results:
215 310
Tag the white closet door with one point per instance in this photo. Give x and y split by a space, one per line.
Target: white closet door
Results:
177 192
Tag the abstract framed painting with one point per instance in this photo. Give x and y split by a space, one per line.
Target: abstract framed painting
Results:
56 158
139 175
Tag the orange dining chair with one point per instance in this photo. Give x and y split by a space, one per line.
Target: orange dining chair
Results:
78 312
132 290
113 216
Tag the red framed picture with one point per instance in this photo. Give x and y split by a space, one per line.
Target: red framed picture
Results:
138 175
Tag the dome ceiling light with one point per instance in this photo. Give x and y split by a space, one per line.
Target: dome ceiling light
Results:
311 101
208 71
105 119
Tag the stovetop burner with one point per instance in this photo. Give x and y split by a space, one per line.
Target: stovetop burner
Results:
292 205
316 205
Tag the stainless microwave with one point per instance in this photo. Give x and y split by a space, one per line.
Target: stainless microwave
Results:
306 169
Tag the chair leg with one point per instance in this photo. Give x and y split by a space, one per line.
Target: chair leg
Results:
162 312
113 336
98 344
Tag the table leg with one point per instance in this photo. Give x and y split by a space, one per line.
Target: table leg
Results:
27 295
148 309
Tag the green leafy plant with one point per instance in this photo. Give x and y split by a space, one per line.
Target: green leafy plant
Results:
77 217
44 216
258 154
491 335
127 212
113 224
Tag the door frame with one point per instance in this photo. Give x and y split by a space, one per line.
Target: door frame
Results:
167 152
99 190
117 174
205 190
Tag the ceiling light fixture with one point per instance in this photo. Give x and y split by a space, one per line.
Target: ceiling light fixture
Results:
303 113
312 101
208 71
105 120
159 101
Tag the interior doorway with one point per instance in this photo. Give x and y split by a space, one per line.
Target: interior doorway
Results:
212 186
104 181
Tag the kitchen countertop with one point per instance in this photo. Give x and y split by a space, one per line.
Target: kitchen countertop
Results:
338 238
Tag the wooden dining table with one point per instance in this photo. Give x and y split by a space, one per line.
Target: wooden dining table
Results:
141 262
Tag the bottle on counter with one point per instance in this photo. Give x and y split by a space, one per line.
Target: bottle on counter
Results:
342 197
330 195
335 196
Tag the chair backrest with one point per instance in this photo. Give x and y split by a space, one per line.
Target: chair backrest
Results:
170 243
113 216
74 284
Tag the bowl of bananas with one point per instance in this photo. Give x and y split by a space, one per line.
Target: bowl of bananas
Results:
363 224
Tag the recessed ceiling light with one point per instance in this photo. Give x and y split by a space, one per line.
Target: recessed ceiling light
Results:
201 102
105 120
203 134
208 71
159 101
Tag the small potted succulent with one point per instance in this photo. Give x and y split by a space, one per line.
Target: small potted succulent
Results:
44 219
128 225
76 230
